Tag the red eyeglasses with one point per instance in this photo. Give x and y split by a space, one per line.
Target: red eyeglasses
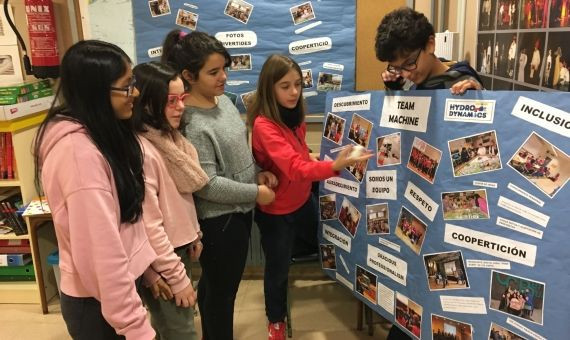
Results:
173 99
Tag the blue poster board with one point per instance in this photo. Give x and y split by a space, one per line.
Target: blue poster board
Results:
319 35
458 225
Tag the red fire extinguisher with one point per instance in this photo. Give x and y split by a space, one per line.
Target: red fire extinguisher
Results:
43 38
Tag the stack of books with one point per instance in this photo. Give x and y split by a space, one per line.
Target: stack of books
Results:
10 202
26 98
7 159
16 261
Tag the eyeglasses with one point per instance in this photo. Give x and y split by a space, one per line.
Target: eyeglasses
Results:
129 89
173 99
397 70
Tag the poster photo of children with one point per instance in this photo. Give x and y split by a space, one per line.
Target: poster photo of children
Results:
360 130
497 332
377 219
327 205
465 205
443 328
411 230
485 48
302 13
334 128
349 216
358 169
559 14
424 160
246 98
517 296
187 19
329 82
366 284
328 257
475 154
530 57
158 7
534 14
487 12
307 78
409 315
542 164
446 271
556 75
239 10
506 44
240 62
507 14
388 150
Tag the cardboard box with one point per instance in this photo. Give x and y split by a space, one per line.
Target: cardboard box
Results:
9 112
9 100
21 89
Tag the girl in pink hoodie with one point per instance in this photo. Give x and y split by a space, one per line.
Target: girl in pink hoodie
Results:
91 168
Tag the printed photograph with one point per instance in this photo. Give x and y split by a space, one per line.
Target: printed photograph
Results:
534 14
388 150
327 204
465 205
233 97
542 164
349 216
556 75
497 332
446 271
411 230
366 284
302 13
159 7
334 128
517 296
377 219
240 62
239 10
507 14
358 169
328 257
360 130
307 78
6 65
487 12
530 54
559 14
187 19
506 47
475 154
329 82
247 97
409 315
443 328
424 160
485 57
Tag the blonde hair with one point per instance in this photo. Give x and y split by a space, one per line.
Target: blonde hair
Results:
264 102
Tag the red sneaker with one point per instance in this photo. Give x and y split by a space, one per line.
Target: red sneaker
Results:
276 331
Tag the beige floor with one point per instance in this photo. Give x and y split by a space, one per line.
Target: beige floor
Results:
321 310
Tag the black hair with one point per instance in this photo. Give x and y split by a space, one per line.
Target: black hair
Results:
190 52
153 81
400 32
88 70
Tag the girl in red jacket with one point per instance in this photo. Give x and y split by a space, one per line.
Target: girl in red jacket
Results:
277 116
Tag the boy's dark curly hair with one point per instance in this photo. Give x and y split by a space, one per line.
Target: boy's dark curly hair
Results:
401 32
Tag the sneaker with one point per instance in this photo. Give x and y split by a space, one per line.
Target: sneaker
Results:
276 331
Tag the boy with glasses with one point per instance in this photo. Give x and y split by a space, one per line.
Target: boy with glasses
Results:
406 40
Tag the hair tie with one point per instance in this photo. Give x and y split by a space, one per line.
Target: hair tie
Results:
181 35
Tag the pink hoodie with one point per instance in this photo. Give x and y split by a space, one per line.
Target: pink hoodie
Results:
98 256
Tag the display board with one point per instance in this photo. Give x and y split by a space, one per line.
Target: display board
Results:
457 227
319 35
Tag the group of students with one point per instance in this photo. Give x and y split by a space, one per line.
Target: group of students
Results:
148 169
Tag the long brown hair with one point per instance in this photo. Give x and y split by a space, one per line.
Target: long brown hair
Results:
264 102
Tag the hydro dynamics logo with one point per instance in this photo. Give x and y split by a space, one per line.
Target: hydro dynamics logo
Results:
477 111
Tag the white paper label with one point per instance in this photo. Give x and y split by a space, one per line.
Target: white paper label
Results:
488 264
387 264
524 329
344 263
490 244
343 186
485 184
310 45
236 82
382 184
351 103
406 113
386 298
333 66
523 211
463 304
542 115
469 110
525 194
308 94
155 52
421 201
337 238
307 27
237 39
389 244
521 228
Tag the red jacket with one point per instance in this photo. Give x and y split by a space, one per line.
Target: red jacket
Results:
284 152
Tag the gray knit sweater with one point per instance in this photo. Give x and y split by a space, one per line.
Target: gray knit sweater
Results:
220 136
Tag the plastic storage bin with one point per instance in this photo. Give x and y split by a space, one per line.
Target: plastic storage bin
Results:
53 259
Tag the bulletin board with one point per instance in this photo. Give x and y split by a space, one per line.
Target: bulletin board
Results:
458 224
319 35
